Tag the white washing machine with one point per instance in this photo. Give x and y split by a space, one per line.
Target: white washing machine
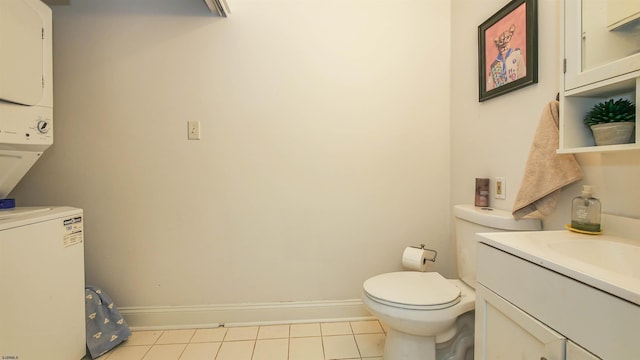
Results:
42 284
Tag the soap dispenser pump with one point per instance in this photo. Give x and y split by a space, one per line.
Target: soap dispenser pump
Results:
585 212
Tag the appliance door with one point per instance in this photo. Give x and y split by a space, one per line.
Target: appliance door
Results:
42 288
22 48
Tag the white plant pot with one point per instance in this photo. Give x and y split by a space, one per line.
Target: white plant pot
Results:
613 133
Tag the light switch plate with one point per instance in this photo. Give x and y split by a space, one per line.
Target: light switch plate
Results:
193 128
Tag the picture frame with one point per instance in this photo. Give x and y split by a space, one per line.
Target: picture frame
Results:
508 49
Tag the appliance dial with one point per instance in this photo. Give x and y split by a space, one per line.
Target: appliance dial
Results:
43 126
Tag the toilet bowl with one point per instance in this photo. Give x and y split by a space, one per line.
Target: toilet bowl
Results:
423 309
420 310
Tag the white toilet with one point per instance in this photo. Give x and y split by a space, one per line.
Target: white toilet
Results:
425 312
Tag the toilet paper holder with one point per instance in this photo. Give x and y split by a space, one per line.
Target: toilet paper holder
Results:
424 247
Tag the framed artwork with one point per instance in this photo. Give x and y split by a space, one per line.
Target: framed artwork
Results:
508 49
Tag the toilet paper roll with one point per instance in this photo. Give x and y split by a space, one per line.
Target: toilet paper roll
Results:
414 259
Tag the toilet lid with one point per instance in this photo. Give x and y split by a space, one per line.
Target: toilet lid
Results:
412 290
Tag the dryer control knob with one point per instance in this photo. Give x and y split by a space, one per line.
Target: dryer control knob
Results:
43 126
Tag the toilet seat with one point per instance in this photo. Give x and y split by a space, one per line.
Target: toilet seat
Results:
412 290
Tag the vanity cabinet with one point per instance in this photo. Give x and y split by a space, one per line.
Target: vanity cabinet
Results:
506 332
526 311
601 61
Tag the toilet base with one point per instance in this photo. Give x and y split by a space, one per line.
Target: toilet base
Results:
461 346
402 346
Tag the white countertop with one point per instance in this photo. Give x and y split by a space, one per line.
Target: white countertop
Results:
607 262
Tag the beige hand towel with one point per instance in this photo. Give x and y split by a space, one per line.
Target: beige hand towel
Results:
546 172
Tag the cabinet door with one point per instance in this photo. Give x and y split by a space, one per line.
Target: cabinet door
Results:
575 352
593 51
21 38
504 332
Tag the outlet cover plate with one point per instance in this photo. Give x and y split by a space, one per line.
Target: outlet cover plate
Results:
500 190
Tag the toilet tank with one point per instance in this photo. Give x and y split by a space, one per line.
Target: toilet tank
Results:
470 220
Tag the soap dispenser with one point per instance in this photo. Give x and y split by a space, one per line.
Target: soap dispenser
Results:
585 212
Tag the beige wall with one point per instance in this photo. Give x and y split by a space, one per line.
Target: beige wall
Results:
493 138
324 151
325 142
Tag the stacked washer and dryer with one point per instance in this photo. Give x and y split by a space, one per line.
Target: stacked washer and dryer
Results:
41 248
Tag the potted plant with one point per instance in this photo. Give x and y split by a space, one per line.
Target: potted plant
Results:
612 122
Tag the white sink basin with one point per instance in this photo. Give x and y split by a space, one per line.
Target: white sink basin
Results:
607 262
618 256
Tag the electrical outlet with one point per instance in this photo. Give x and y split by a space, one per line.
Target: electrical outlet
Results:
193 128
501 188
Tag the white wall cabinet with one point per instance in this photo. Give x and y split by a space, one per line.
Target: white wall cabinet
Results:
599 63
622 12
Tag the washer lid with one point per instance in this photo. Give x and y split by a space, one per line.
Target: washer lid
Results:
413 290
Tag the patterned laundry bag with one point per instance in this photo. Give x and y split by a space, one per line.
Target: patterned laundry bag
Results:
105 326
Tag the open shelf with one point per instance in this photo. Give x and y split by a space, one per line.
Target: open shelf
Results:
575 137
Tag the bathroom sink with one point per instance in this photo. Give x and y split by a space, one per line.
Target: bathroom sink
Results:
609 262
614 255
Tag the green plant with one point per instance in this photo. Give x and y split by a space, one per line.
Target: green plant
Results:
610 112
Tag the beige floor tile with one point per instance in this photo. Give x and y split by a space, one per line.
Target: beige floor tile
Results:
201 351
370 344
340 347
143 338
236 350
134 352
366 327
241 333
385 327
306 348
165 352
176 336
273 332
303 330
358 340
209 335
336 328
271 349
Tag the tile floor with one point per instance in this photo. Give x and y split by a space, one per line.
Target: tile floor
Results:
357 340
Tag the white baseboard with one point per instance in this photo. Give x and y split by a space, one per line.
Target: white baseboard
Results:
229 315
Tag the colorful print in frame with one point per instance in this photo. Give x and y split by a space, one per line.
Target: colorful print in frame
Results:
508 49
